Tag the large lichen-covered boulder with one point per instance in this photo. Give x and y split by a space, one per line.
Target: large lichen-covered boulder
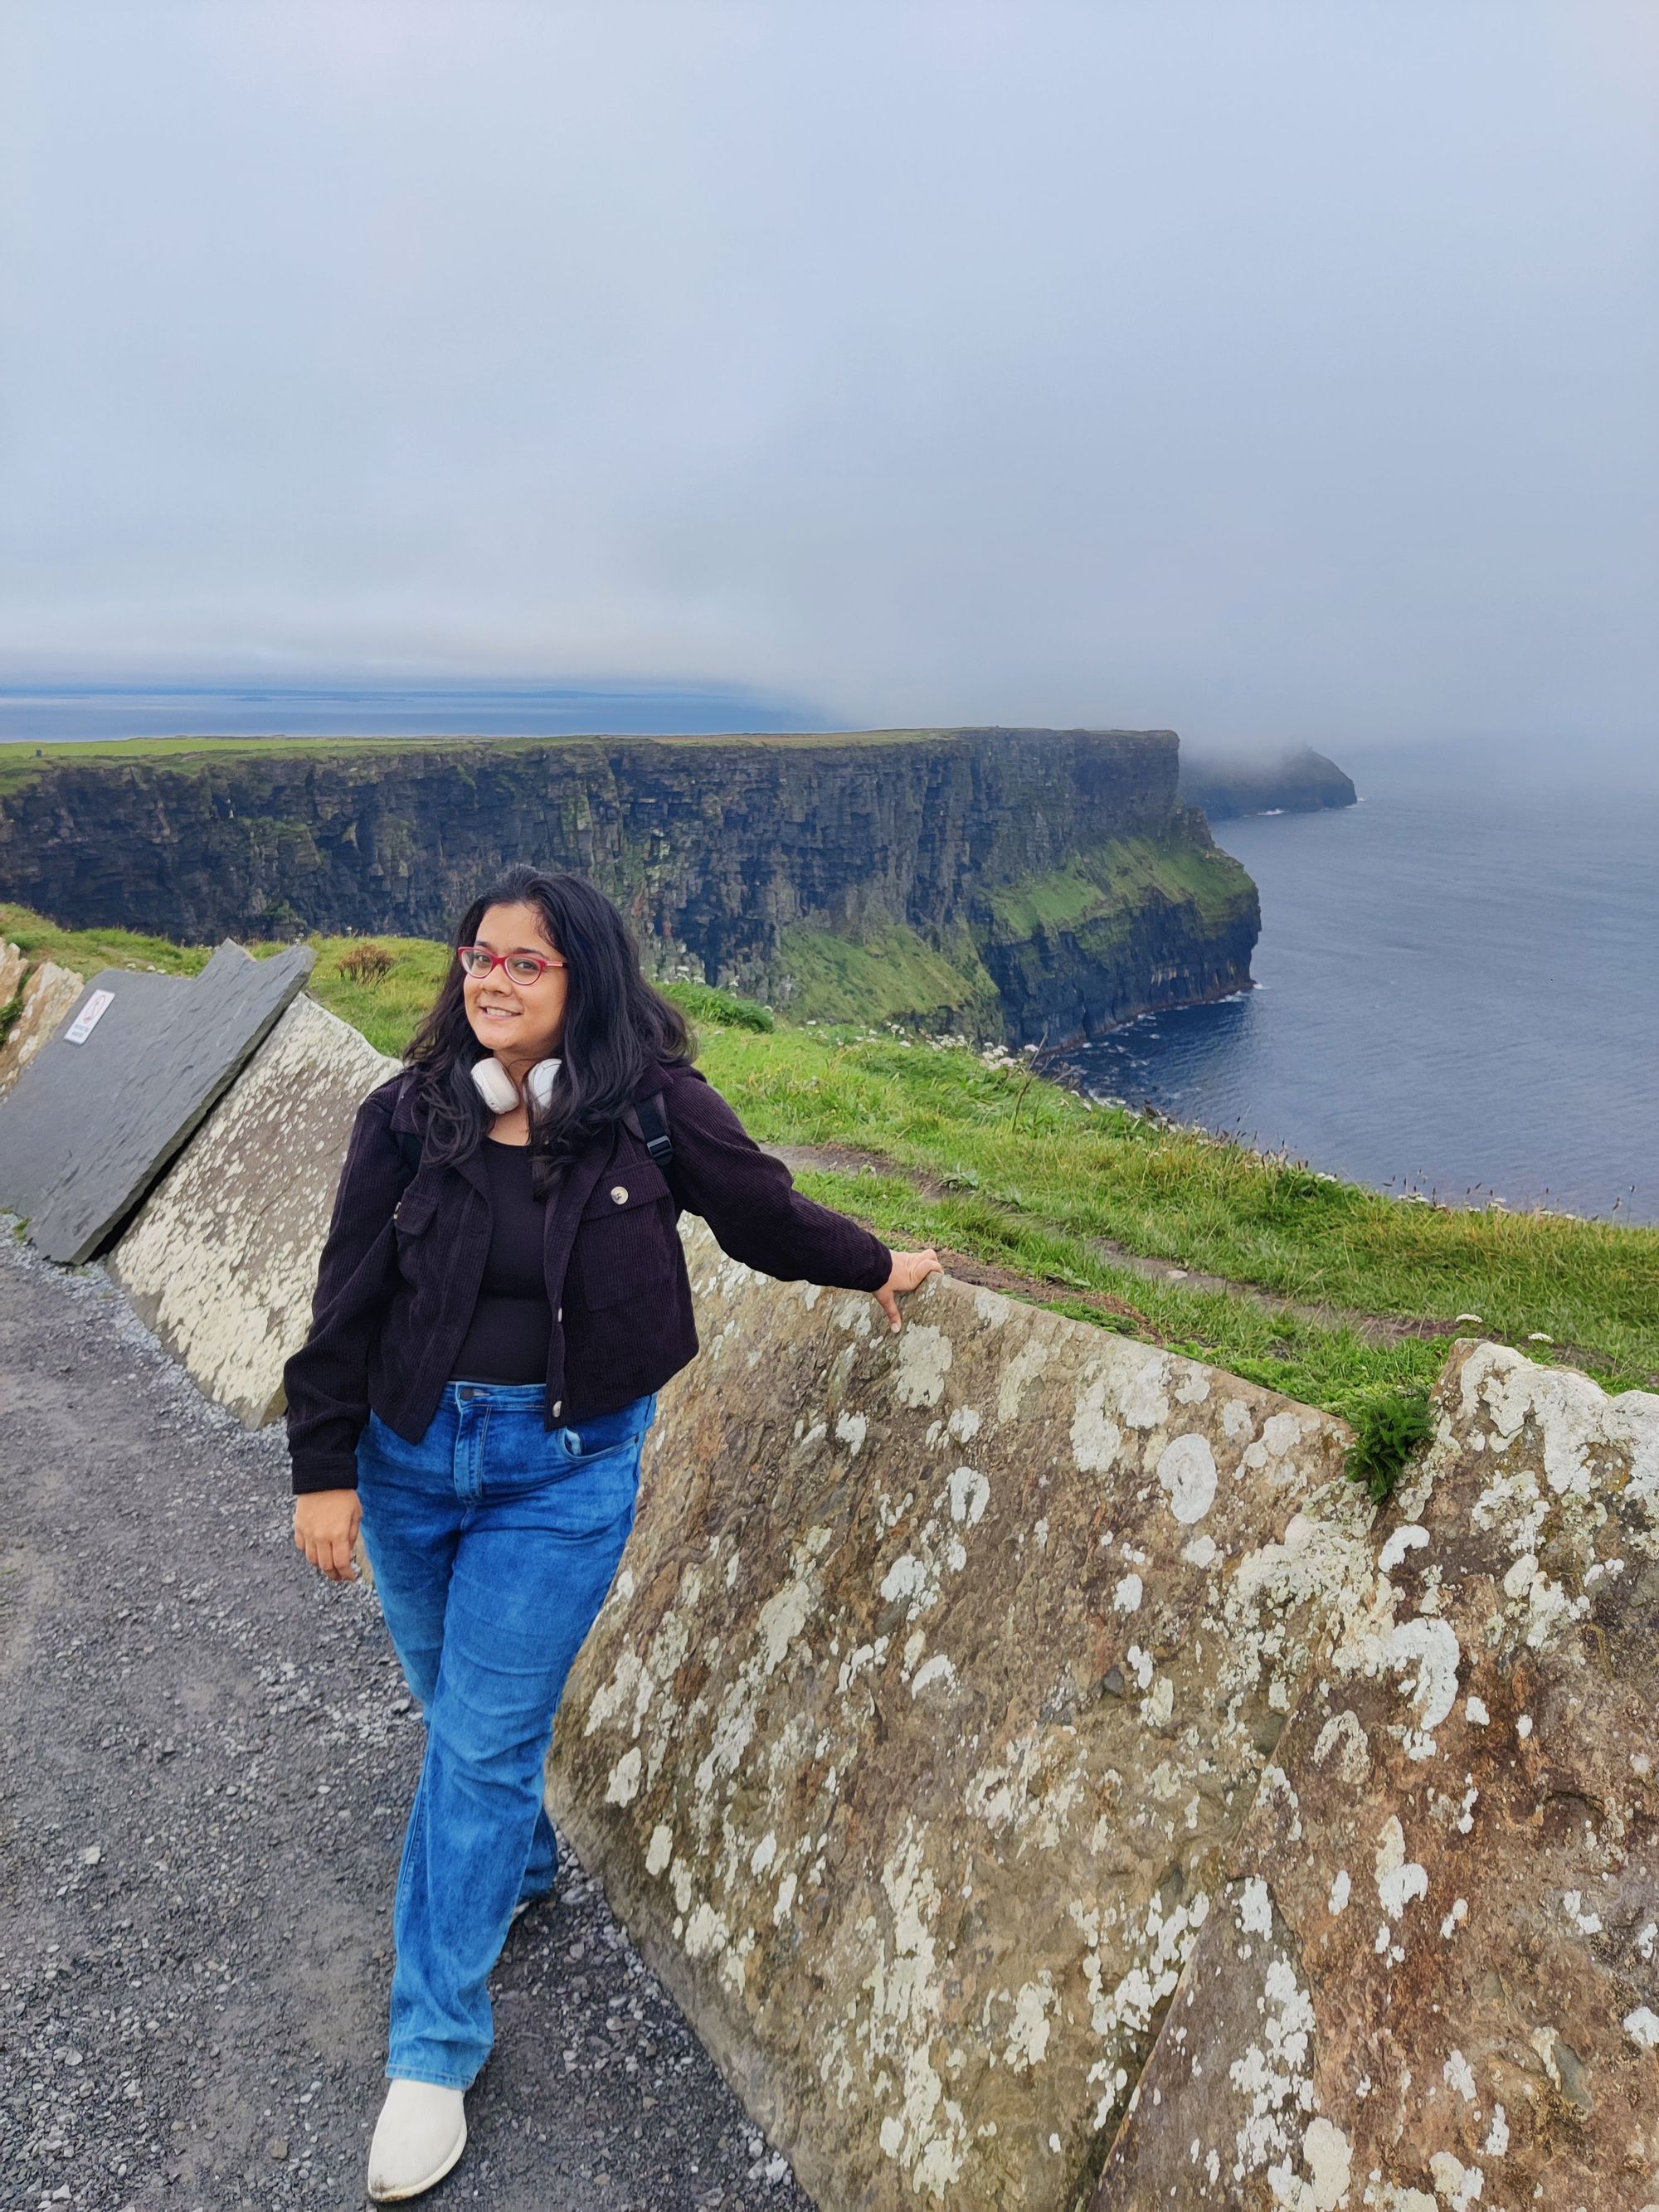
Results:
1432 1979
220 1261
913 1740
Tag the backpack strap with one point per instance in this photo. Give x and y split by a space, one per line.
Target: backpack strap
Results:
653 1128
646 1119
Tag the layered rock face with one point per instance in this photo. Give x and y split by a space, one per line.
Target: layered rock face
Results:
1009 882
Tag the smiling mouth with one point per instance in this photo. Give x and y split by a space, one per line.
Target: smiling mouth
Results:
499 1013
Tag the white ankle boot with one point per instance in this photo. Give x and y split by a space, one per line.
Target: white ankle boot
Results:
420 2134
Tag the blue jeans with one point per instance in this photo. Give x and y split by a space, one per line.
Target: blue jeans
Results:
494 1541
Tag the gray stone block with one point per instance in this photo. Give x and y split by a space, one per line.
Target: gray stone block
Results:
89 1125
221 1260
913 1740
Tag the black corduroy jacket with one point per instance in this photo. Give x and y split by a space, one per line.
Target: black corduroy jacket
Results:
400 1268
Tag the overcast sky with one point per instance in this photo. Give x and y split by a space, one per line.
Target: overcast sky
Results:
1259 369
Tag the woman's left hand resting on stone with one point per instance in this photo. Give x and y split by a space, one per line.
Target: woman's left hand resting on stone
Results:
909 1269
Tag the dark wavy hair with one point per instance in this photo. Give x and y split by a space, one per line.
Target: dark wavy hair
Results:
616 1025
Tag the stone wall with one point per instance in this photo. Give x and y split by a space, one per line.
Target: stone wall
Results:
915 1736
1431 1978
220 1261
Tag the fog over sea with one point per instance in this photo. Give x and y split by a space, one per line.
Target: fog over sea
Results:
1458 987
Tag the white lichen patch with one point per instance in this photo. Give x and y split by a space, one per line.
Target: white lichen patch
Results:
1399 1880
1187 1473
925 2135
1328 2157
1425 1653
1458 2075
624 1785
1254 1908
1456 2185
1274 2081
1237 1421
971 1493
1281 1433
1028 2034
1096 1440
1026 1367
1158 1948
1126 1598
1144 1398
851 1429
924 1360
1411 1537
939 1669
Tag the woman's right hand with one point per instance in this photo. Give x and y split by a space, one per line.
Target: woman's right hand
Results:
325 1528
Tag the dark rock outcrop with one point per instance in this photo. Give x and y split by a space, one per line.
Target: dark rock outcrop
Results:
1004 882
1299 781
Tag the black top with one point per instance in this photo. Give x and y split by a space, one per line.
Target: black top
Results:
407 1247
506 1339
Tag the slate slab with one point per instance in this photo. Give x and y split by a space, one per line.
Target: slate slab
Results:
220 1261
938 1674
87 1126
1430 1980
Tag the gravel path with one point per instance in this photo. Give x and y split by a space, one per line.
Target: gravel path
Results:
207 1755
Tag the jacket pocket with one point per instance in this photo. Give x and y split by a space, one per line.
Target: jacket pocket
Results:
626 1242
411 1218
413 1212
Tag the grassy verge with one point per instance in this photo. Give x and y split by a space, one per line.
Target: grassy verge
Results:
1023 1174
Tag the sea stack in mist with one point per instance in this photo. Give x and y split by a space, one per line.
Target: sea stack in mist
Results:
1295 781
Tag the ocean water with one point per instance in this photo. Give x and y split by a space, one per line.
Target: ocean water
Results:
46 714
1458 988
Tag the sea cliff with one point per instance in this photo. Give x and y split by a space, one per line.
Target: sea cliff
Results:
1298 782
1010 883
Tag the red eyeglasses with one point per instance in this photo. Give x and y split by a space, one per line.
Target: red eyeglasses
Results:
521 967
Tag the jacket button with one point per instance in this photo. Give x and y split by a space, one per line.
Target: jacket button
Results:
560 1314
558 1408
620 1195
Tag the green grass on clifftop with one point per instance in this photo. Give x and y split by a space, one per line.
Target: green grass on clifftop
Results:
1115 878
971 1151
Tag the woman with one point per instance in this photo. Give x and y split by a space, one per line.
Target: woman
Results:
501 1295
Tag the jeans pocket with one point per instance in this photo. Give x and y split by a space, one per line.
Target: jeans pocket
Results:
613 1431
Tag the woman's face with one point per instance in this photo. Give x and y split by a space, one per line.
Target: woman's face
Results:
519 1022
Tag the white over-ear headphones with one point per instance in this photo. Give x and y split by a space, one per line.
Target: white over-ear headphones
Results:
499 1091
